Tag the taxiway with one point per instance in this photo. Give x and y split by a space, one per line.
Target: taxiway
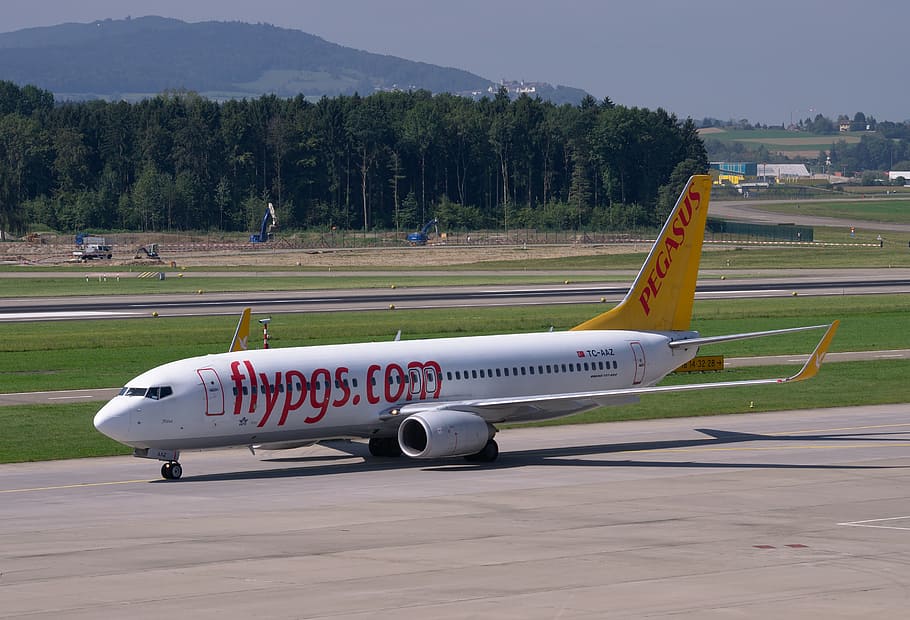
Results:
793 514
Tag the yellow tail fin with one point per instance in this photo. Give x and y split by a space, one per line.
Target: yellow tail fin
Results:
242 334
662 295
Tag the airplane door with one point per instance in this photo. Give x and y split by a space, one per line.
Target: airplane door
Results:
639 354
415 383
214 395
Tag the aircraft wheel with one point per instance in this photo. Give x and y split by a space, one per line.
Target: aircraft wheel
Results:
393 448
171 471
385 446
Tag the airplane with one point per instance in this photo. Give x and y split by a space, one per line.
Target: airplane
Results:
442 397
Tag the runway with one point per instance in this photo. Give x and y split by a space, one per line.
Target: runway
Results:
810 282
794 514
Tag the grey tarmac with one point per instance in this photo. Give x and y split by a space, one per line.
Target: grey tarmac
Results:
794 514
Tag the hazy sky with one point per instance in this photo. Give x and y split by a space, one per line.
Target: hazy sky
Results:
769 61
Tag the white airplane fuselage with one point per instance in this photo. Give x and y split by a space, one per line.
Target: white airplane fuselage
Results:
436 398
352 390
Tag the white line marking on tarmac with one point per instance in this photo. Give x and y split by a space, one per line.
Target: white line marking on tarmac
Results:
871 523
79 314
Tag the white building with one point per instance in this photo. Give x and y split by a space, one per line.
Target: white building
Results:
783 172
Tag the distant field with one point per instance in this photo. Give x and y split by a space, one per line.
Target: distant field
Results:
777 140
894 211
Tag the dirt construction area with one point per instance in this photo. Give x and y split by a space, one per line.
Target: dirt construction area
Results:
238 254
205 255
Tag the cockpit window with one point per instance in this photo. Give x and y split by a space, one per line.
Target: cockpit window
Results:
157 393
133 391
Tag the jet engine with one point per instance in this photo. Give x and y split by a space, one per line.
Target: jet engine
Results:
442 433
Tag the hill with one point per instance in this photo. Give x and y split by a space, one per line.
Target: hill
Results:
136 58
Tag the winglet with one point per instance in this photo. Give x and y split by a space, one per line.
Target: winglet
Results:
818 355
662 295
242 333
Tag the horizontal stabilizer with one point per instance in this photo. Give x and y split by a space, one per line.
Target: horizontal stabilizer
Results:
697 342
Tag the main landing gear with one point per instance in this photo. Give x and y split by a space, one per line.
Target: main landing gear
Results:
385 446
489 453
172 470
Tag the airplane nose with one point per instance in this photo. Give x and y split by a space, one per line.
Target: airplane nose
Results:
113 421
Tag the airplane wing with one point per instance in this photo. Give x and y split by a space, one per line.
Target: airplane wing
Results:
525 408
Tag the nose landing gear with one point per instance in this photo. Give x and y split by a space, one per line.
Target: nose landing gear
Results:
172 470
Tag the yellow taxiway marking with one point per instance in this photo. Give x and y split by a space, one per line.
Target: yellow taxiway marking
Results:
73 486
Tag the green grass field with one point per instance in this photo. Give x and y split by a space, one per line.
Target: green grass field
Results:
81 354
896 211
782 140
84 354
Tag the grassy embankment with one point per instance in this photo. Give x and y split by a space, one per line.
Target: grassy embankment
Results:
79 354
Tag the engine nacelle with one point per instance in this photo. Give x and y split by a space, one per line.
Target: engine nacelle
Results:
440 433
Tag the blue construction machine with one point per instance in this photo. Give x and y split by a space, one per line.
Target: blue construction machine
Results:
421 237
269 221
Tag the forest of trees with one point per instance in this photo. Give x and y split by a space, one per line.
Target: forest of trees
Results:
385 161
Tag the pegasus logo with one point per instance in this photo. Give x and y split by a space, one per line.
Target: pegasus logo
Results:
672 241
